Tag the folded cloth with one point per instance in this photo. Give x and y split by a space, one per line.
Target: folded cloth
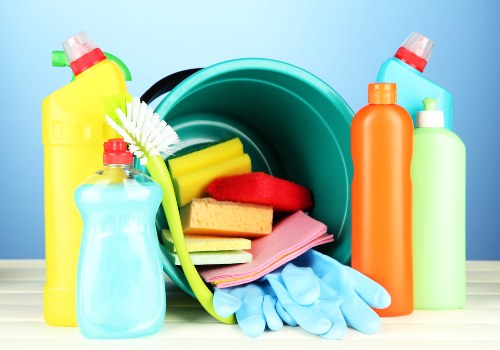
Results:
290 238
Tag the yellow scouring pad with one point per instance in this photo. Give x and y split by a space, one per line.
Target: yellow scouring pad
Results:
205 157
194 184
204 243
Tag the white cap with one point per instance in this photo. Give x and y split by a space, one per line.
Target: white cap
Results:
430 117
419 44
78 45
415 51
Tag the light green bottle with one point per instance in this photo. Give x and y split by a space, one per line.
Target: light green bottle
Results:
438 176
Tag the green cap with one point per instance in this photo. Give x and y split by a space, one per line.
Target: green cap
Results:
430 104
430 117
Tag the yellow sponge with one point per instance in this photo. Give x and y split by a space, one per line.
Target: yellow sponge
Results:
204 243
205 157
192 172
210 217
194 184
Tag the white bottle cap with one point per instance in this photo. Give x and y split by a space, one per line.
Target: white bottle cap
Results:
415 51
419 44
78 45
430 117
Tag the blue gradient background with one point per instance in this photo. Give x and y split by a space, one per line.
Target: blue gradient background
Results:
342 42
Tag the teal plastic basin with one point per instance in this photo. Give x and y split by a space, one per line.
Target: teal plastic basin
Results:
292 124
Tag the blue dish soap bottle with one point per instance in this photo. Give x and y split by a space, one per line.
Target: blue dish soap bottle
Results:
406 68
120 283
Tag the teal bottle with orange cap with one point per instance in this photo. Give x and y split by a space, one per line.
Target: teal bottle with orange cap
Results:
438 177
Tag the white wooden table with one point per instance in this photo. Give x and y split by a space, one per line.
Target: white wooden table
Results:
188 326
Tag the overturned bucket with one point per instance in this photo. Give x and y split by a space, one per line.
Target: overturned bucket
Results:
292 124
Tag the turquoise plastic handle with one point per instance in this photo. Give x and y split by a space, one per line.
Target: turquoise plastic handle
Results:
59 59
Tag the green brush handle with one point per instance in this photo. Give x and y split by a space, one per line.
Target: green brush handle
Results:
159 173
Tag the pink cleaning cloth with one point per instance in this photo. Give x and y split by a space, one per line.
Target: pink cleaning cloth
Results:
290 238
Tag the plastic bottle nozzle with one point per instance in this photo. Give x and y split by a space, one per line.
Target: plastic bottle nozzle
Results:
82 52
430 104
415 51
430 117
78 46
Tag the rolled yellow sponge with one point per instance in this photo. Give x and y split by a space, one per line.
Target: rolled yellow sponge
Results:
208 216
193 184
205 157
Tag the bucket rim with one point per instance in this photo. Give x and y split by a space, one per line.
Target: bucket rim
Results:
250 63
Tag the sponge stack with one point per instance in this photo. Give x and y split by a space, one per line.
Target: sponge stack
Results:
221 224
210 250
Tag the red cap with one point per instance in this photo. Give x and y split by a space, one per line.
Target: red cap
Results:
86 61
410 58
415 51
82 52
116 152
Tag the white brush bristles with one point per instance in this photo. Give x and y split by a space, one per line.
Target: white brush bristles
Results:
144 131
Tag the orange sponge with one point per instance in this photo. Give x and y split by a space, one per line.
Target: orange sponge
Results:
219 218
263 189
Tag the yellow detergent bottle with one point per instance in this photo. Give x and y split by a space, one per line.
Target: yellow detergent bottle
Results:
73 133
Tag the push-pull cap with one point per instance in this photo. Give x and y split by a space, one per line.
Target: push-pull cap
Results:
116 152
430 117
82 52
415 51
382 93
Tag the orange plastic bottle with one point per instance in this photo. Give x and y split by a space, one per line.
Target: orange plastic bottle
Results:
381 147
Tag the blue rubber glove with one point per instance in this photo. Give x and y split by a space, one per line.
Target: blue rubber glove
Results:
319 294
254 305
345 296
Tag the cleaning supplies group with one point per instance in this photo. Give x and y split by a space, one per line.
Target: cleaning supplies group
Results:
290 238
409 239
224 205
226 212
328 309
408 192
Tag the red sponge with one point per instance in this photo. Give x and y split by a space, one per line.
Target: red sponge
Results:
261 188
